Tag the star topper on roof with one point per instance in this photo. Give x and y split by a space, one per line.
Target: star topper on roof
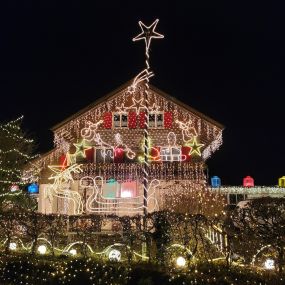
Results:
148 33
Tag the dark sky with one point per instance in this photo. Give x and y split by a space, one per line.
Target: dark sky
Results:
224 58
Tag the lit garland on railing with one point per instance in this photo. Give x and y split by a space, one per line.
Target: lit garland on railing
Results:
249 190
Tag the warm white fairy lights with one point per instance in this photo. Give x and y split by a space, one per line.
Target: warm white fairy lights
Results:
15 152
13 126
108 142
213 146
73 128
32 172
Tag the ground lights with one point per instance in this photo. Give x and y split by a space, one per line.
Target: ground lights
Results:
269 264
12 246
73 252
180 261
30 271
42 249
114 255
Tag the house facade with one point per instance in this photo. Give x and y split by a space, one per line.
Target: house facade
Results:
99 161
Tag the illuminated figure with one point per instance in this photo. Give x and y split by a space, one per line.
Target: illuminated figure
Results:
187 129
61 187
119 144
96 202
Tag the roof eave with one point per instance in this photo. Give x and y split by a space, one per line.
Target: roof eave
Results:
122 87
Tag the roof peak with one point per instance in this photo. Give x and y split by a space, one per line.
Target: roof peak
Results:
126 85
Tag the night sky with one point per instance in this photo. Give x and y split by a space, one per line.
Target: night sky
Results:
222 58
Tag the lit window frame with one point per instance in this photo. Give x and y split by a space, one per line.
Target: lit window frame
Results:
120 121
155 121
117 190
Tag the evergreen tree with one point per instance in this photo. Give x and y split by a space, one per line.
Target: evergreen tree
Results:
16 150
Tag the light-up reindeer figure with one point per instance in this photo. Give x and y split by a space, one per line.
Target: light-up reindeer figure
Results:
61 185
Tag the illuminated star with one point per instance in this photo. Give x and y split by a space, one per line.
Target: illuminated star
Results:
121 109
80 148
148 33
154 108
195 147
137 104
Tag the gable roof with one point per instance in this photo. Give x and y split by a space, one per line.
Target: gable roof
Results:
124 86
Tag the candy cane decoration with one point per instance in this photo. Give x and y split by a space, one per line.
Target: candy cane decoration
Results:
148 33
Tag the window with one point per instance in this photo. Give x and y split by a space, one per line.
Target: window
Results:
110 189
155 120
104 155
170 154
120 120
129 189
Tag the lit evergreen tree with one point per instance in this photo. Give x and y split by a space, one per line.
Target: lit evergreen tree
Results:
16 150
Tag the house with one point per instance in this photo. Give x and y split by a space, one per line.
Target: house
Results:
105 152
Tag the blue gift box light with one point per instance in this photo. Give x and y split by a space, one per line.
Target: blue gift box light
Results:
33 188
215 182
